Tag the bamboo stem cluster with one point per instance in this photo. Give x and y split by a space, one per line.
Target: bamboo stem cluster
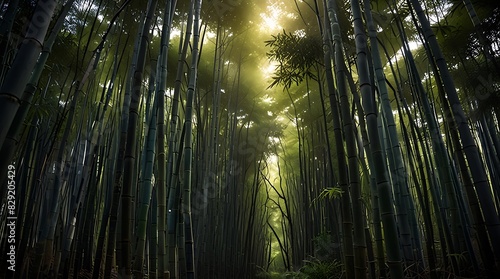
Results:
144 146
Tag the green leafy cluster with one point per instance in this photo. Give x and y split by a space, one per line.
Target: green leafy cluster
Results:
296 54
313 269
316 269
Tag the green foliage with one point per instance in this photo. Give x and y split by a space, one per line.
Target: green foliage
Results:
330 193
296 55
312 269
316 269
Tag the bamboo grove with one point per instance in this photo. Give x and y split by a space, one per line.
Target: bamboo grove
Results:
250 139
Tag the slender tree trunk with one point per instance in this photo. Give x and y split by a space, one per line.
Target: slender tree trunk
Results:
5 35
349 134
188 159
16 79
130 150
470 149
161 176
173 155
146 191
397 168
382 179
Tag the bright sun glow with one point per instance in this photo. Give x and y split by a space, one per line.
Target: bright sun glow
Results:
268 69
271 18
269 23
273 159
267 99
399 54
175 32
